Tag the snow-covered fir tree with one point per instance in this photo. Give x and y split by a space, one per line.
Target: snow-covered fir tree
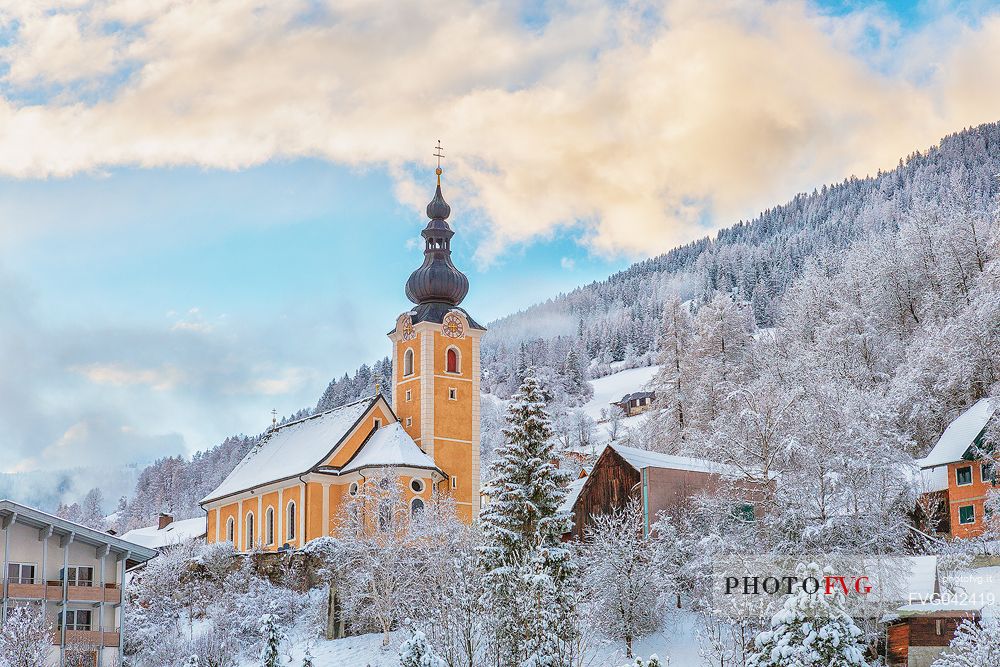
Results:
810 630
271 637
528 570
976 644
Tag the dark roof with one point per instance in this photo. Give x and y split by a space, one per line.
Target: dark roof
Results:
637 395
22 514
437 280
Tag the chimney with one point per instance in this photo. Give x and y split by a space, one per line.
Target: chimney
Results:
165 520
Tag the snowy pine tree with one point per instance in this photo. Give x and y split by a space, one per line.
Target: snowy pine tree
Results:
272 635
810 630
528 571
416 652
974 645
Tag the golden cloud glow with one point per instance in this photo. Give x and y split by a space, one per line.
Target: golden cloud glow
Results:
644 125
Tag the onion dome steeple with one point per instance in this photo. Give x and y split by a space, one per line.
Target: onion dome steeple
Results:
437 280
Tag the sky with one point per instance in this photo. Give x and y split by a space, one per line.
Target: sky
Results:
208 208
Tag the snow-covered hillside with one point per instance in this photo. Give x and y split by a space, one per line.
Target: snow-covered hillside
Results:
612 387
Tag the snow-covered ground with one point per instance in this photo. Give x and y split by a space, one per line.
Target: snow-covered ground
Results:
676 640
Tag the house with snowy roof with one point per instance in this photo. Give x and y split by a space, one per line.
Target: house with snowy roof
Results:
293 485
635 403
660 482
168 533
954 475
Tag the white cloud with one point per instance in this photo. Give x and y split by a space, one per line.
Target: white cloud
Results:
567 263
639 124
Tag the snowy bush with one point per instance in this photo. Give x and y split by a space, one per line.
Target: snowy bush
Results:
25 637
811 630
974 645
628 573
417 652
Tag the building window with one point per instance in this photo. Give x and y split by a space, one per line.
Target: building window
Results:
269 526
409 396
937 626
378 424
744 512
76 619
416 506
967 514
963 476
452 394
989 474
454 482
291 521
249 535
20 573
385 515
408 362
230 530
353 489
417 485
80 576
409 421
451 361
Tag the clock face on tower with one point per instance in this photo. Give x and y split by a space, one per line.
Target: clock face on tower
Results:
452 326
406 327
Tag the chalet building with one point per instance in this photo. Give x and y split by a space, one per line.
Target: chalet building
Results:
636 403
916 635
77 574
168 533
661 482
291 487
955 478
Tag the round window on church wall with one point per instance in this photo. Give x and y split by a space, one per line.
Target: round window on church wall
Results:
353 489
417 486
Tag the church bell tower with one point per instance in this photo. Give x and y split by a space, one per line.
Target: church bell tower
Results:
435 352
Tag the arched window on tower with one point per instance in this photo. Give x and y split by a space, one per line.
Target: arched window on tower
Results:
451 363
408 362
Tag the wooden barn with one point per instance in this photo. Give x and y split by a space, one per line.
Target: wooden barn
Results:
662 482
917 634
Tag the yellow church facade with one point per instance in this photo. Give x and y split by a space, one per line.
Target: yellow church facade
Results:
292 487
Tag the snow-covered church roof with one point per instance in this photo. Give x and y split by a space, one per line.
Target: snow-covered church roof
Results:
960 435
293 449
389 447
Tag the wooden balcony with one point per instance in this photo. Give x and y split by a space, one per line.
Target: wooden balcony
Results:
25 591
110 594
88 638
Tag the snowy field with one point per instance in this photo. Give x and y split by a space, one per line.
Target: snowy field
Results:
612 387
676 640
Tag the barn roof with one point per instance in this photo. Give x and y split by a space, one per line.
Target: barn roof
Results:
641 458
956 440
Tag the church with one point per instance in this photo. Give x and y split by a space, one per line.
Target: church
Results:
292 486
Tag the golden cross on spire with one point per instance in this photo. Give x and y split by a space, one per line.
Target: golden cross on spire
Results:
439 154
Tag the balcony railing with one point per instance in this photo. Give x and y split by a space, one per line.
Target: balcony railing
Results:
88 638
110 594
